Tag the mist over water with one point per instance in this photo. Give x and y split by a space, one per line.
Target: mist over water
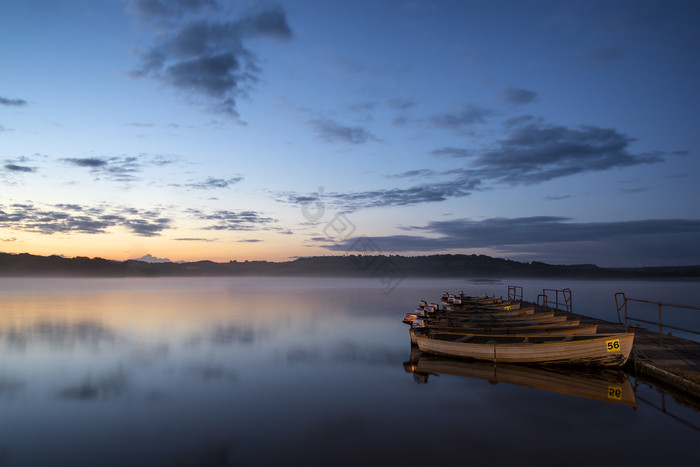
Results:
260 371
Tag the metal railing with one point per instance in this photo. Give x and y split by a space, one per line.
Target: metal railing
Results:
565 295
515 292
660 323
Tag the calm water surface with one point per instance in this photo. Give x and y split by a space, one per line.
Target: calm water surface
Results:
289 371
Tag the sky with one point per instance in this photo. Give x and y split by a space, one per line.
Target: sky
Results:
566 132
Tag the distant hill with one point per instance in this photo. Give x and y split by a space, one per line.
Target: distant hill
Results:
339 266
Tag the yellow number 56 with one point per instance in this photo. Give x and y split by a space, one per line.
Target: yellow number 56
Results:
613 346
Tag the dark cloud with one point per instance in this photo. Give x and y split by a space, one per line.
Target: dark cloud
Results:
120 169
332 132
199 50
539 236
147 227
194 239
465 118
12 102
518 96
91 162
250 240
211 183
353 201
70 218
452 152
19 168
535 152
232 220
422 173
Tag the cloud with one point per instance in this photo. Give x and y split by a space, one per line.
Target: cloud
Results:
353 201
534 152
67 219
91 162
19 168
120 169
539 235
518 96
12 102
421 173
467 117
332 132
212 183
202 51
235 221
452 152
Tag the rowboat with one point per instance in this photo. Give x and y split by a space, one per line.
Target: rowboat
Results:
468 306
488 311
600 349
603 384
562 331
473 327
524 314
558 321
429 312
542 316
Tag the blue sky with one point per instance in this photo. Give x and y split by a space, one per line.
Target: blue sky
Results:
555 131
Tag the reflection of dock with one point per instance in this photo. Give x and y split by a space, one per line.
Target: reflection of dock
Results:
592 383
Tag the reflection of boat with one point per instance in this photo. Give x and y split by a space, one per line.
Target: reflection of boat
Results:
604 384
518 331
600 349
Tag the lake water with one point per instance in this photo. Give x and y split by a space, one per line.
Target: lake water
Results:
299 371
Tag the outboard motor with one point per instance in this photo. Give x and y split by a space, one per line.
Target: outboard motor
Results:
419 323
409 317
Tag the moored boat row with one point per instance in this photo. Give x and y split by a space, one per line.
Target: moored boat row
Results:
481 328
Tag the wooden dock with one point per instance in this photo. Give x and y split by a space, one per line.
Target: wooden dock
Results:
673 365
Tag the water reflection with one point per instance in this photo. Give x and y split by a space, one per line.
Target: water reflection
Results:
601 384
269 371
96 388
58 335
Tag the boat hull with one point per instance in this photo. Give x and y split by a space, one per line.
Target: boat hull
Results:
603 350
572 330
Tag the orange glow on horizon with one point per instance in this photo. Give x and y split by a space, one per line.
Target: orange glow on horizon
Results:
123 246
